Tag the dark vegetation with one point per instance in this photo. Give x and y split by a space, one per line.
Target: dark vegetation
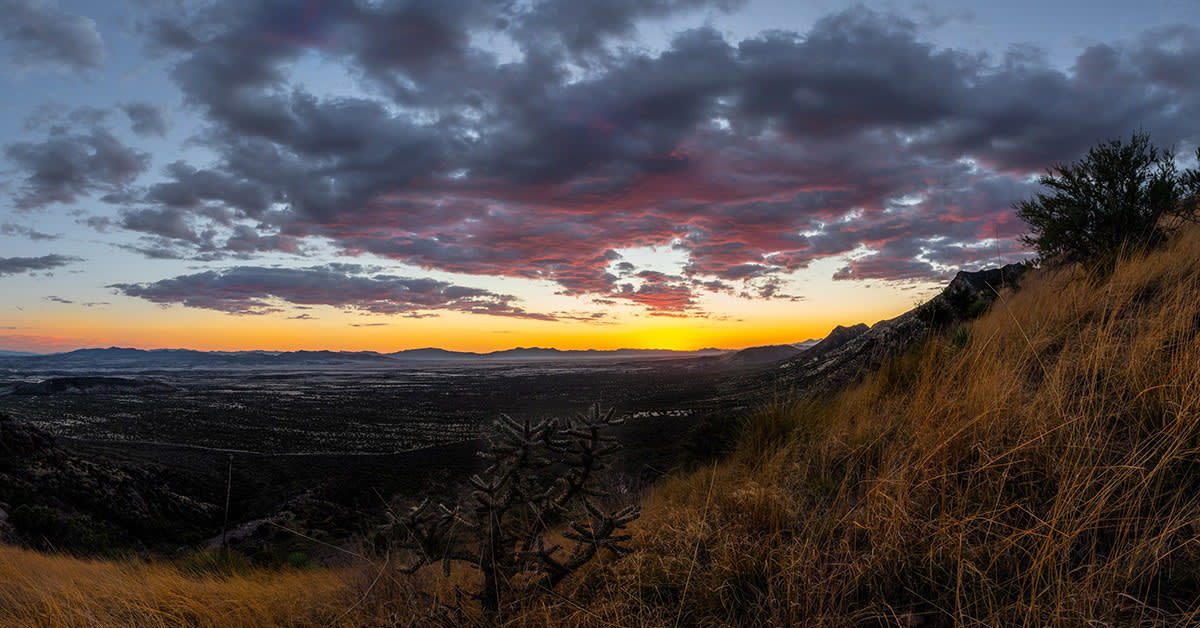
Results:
56 499
1120 194
541 475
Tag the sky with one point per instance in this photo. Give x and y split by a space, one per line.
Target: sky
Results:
391 174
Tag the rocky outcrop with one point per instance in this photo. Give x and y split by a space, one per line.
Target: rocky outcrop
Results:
848 352
56 500
986 282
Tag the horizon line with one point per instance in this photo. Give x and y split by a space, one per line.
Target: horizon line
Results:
376 352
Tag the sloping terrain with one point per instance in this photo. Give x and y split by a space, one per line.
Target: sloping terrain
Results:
1039 466
53 499
849 352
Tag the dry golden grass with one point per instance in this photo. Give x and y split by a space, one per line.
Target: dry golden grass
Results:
1039 468
60 591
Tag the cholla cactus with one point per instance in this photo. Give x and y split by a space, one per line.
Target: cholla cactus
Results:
542 474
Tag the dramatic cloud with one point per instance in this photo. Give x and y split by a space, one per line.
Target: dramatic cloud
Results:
257 290
37 34
545 161
69 164
146 119
17 265
659 292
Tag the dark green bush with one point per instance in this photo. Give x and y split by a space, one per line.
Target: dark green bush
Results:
1117 196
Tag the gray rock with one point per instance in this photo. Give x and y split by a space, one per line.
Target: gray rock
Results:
848 352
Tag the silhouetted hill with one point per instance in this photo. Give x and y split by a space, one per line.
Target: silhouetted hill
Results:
846 353
433 353
120 358
763 355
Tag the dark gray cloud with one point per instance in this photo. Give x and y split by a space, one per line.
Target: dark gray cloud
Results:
88 115
202 233
753 157
257 290
23 231
188 187
582 27
169 223
57 299
69 164
57 117
37 34
165 248
146 119
17 265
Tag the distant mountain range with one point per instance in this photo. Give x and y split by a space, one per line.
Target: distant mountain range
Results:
119 358
538 353
768 354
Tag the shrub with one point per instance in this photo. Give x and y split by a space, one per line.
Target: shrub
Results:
1117 195
541 474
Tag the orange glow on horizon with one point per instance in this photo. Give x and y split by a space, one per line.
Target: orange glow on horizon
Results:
52 327
217 332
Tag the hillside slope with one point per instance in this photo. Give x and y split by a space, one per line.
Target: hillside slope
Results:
849 352
53 498
1037 467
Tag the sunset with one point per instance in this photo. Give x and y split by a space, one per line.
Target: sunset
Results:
683 174
595 313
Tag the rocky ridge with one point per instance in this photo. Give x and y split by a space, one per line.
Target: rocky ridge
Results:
848 352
